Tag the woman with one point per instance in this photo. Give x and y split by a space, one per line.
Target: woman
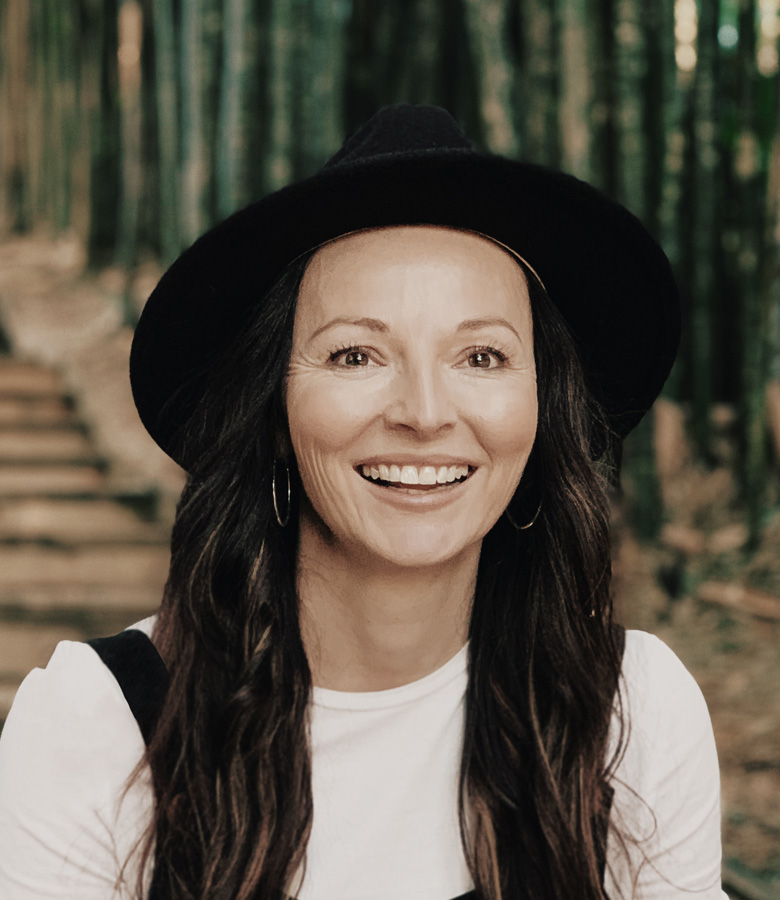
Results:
387 633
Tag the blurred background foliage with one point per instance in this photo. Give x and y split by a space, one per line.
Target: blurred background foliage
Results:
137 124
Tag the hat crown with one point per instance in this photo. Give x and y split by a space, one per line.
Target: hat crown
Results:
402 128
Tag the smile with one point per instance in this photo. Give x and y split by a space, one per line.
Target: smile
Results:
416 478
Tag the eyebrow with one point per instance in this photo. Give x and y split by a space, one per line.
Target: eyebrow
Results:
380 326
371 324
487 321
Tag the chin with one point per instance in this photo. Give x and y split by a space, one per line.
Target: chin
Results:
415 551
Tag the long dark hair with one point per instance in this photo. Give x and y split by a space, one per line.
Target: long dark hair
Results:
230 757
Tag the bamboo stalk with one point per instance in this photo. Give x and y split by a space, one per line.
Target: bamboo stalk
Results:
754 320
105 179
281 38
705 183
487 27
540 81
16 214
231 137
630 30
576 87
322 108
85 76
630 69
166 98
130 33
193 148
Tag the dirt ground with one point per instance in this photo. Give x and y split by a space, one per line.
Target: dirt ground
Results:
716 605
697 588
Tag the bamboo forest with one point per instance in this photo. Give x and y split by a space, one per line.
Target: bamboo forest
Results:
129 127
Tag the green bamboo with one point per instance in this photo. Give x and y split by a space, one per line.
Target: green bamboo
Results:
630 77
488 33
418 77
193 151
601 39
322 107
7 141
166 97
576 87
633 186
278 163
130 37
770 257
361 61
753 312
200 27
66 56
705 232
674 89
34 113
231 136
85 79
14 137
539 81
50 136
105 140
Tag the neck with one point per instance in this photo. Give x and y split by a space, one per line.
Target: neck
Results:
368 625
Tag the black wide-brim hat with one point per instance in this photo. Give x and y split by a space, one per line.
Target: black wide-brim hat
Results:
413 165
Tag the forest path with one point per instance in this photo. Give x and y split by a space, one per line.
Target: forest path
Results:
80 554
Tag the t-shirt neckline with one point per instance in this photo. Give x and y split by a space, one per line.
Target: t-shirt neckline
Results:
397 696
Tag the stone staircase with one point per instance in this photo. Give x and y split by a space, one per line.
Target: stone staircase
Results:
81 554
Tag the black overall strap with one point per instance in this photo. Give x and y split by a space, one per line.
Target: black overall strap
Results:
140 672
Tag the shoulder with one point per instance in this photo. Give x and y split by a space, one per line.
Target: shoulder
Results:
68 747
661 696
667 781
75 706
70 716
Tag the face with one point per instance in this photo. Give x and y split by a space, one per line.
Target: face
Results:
412 361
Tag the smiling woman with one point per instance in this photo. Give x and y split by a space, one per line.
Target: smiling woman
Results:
385 664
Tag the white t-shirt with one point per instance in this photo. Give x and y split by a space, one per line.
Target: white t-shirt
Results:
384 781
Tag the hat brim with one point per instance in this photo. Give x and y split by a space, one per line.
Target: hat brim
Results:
606 274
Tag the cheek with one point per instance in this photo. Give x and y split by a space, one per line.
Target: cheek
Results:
508 421
322 421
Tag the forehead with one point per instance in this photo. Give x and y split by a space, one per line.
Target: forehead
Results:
393 267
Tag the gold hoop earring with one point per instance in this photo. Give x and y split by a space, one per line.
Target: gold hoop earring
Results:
273 493
523 527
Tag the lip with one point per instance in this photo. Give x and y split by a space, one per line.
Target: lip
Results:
404 459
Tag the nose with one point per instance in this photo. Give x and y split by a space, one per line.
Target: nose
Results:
422 401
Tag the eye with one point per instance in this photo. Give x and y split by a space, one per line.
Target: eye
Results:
483 358
354 357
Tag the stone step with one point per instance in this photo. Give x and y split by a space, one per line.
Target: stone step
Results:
24 646
35 410
67 521
28 567
52 479
99 608
25 379
45 444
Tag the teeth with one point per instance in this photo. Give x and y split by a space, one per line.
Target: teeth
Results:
409 475
427 475
413 475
